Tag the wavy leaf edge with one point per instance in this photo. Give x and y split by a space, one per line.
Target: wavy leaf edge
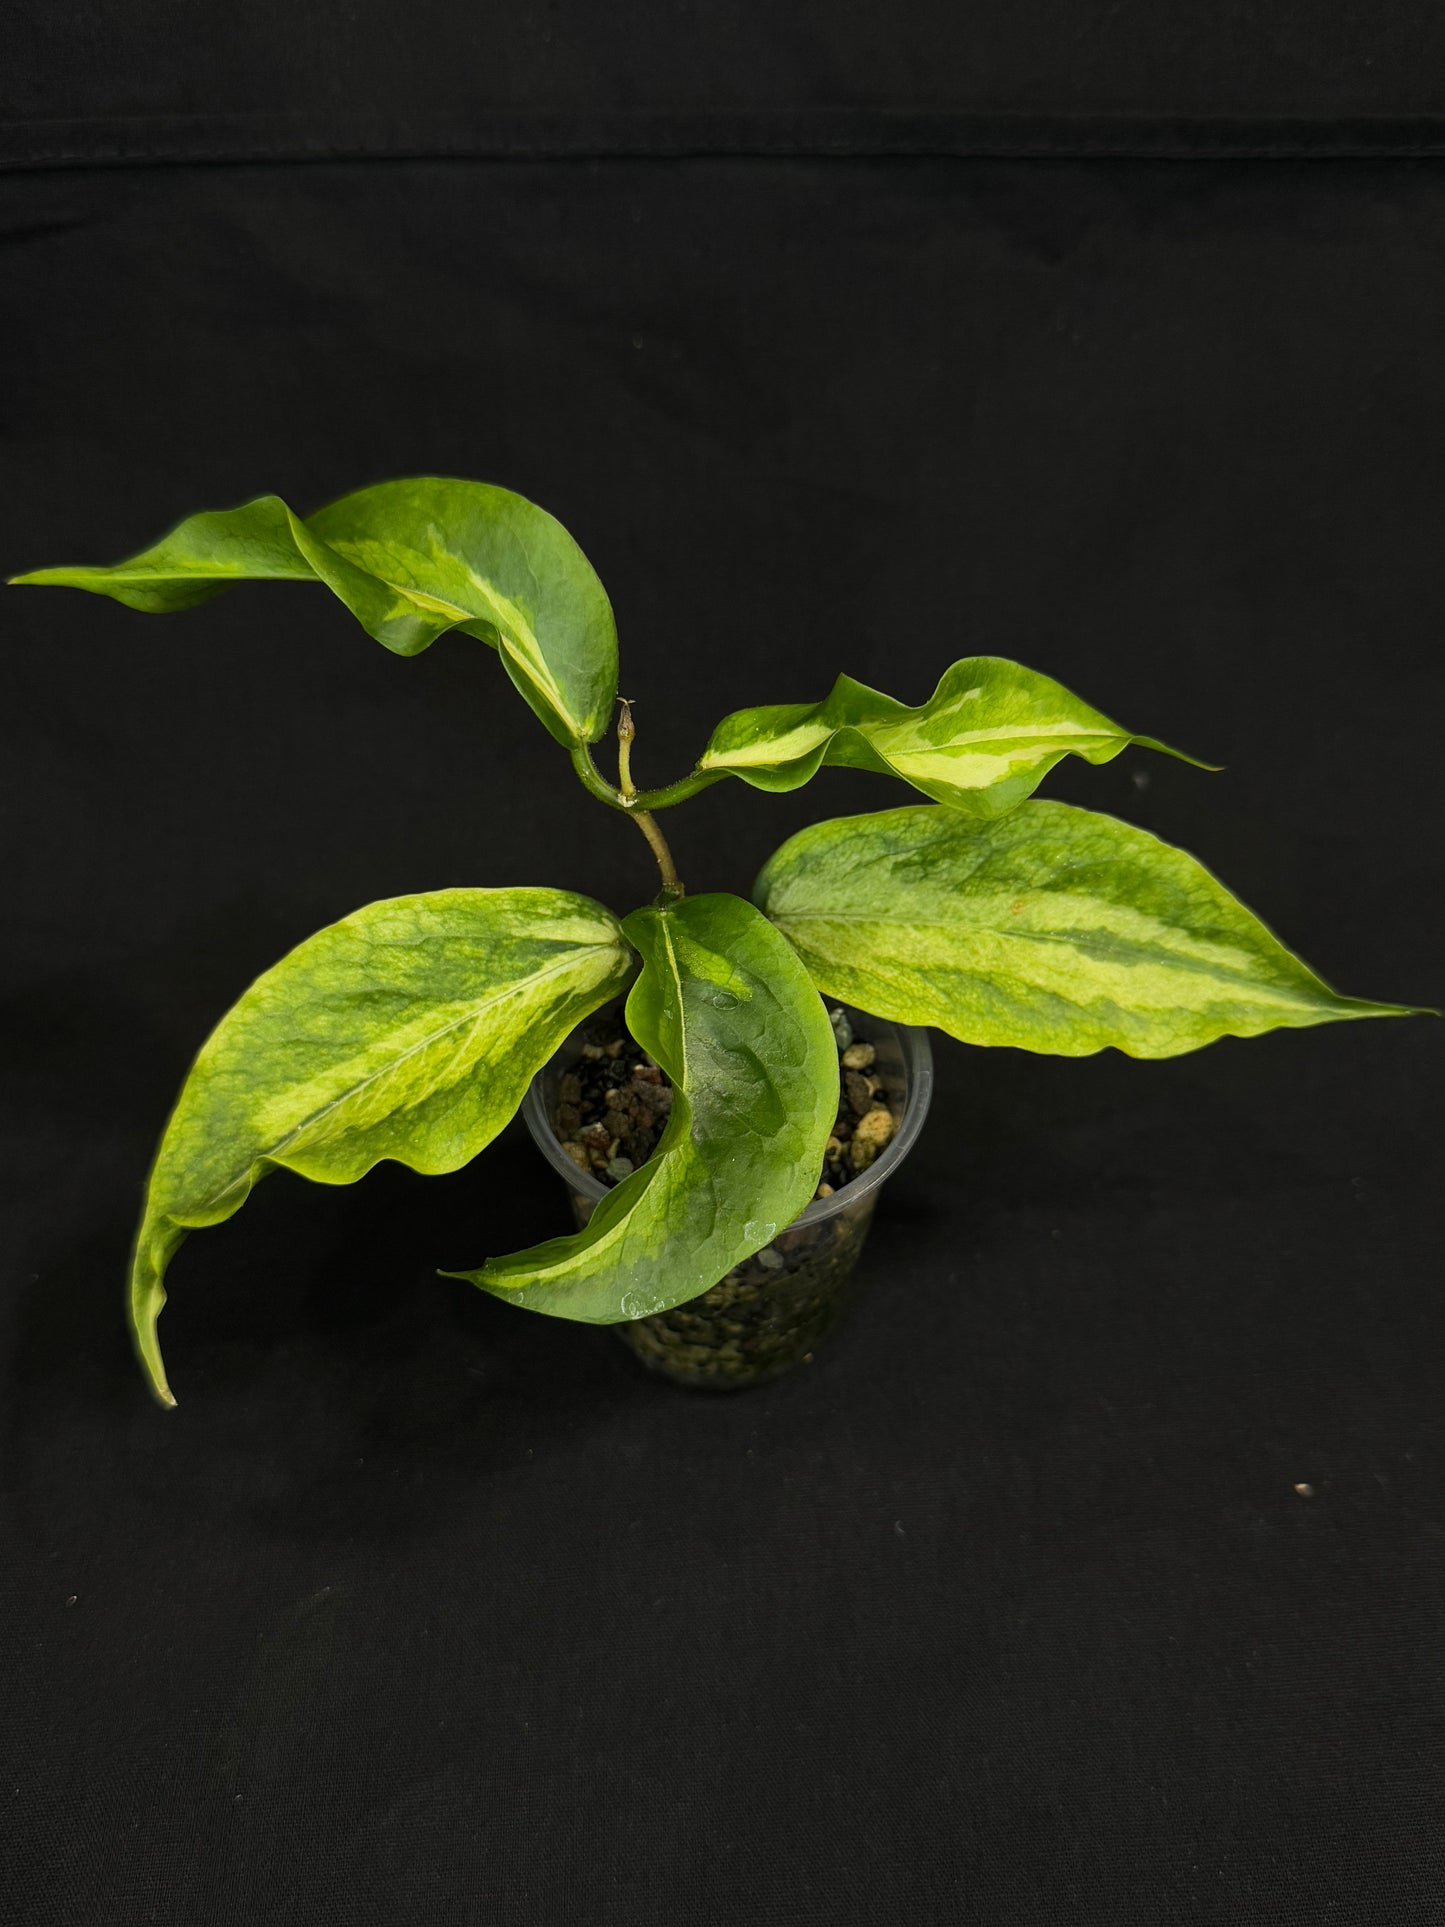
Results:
336 1126
981 743
1062 988
402 582
686 1207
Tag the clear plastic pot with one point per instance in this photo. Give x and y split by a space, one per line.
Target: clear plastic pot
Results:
770 1312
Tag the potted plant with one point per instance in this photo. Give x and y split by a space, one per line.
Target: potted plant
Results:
725 1156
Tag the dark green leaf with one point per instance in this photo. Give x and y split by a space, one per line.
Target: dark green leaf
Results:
984 740
409 1030
1052 929
726 1009
410 559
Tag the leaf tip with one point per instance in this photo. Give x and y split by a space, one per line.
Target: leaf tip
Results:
153 1365
148 1350
1179 755
1341 1006
147 1300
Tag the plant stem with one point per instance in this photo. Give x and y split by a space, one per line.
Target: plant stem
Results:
679 792
672 888
592 779
596 784
629 799
625 733
656 841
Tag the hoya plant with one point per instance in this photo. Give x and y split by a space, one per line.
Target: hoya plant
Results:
412 1029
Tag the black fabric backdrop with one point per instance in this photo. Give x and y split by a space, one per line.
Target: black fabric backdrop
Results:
147 80
421 1609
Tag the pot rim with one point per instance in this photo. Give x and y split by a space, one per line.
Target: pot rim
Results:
917 1054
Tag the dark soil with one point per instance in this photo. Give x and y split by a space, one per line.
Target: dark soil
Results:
612 1110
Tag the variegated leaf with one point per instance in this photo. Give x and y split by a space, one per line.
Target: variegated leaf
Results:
726 1009
984 740
409 1030
410 559
1053 929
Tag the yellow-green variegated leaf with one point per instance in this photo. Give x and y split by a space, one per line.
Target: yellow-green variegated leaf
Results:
410 1030
410 559
1052 929
984 740
725 1007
